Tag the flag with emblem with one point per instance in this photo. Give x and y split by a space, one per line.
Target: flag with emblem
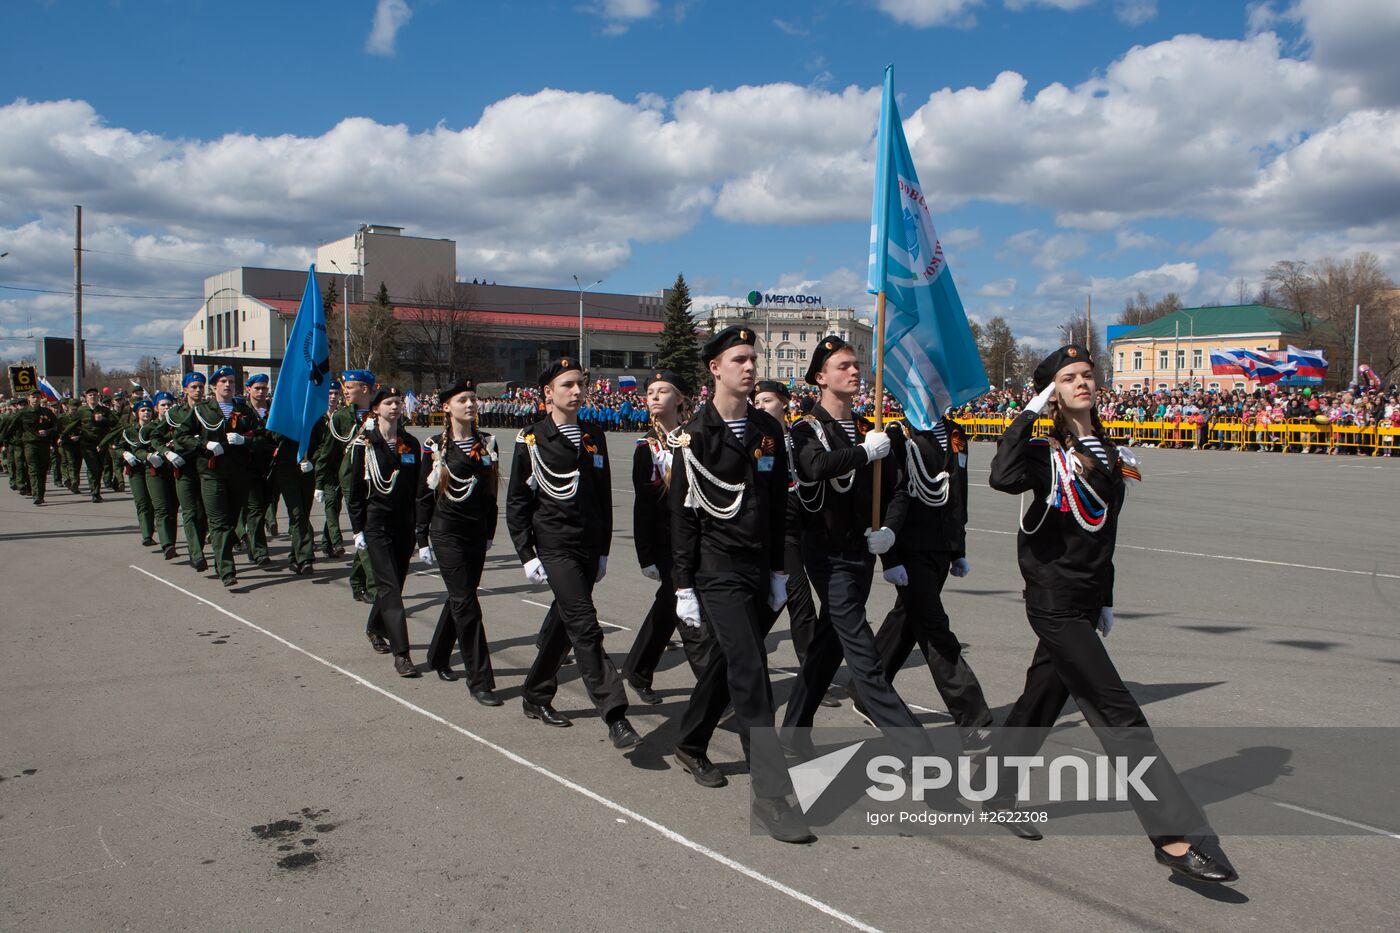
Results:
303 382
930 360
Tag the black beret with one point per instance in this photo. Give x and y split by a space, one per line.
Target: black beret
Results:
561 365
731 336
829 345
665 375
1052 364
774 386
466 385
384 392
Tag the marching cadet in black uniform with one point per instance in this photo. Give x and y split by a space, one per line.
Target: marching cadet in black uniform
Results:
333 466
728 498
1077 480
932 545
385 462
834 448
179 448
667 397
217 433
773 397
559 512
456 527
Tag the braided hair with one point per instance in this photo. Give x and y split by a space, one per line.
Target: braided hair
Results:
446 440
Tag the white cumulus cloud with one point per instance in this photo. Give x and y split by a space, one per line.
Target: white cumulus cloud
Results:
389 17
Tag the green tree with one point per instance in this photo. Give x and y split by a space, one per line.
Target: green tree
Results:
374 337
335 337
676 350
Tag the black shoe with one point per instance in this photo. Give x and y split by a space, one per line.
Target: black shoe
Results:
445 673
337 552
201 565
239 547
97 497
328 552
403 666
264 561
622 734
829 701
170 552
362 596
486 697
148 542
976 741
1197 865
1026 831
795 746
302 570
646 694
781 821
700 768
545 714
38 501
229 581
377 642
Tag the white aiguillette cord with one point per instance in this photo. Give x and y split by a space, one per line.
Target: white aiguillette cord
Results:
841 484
930 490
695 496
559 486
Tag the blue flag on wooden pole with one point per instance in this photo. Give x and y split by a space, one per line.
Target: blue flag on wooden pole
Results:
303 383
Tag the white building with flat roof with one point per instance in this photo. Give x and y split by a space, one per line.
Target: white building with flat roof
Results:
787 334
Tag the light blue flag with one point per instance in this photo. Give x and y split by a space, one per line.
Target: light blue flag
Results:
931 360
303 383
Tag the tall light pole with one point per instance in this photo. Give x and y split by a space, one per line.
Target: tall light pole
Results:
1191 316
1003 365
344 313
582 362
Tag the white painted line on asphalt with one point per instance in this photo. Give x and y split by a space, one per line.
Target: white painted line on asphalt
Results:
531 602
559 779
1247 560
1338 819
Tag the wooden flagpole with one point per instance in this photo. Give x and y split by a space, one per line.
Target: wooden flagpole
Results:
879 405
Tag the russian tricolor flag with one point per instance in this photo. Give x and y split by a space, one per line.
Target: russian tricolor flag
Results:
1308 363
627 383
49 391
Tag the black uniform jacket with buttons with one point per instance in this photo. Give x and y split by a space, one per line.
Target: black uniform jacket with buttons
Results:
926 527
536 519
844 517
753 538
1064 566
651 506
397 508
474 518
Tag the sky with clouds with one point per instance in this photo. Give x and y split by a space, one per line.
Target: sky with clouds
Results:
1068 147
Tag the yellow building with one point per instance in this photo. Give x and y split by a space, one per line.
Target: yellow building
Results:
1174 350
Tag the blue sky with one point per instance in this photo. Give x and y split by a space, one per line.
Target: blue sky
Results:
1069 147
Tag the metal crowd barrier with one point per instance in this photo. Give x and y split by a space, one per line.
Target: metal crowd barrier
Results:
1290 437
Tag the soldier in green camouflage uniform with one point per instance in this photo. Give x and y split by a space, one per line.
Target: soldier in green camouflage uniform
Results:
36 427
177 446
333 463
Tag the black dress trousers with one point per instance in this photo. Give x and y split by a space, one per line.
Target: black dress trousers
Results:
574 621
389 542
640 666
461 560
918 617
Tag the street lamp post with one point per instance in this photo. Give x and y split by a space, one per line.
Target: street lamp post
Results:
345 312
1191 339
583 364
1003 365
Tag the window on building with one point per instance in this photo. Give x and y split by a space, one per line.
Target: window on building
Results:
786 336
804 354
1163 359
1137 361
641 359
255 345
802 337
1120 359
1215 385
768 354
1161 385
1195 359
608 359
1180 359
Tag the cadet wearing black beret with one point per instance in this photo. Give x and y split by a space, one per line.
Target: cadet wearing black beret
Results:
1052 364
665 375
731 336
466 385
562 365
779 389
829 345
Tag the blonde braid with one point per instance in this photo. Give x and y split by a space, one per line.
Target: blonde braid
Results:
443 441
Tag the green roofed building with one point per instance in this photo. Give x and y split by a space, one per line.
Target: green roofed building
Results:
1175 349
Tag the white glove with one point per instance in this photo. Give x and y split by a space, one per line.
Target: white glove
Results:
960 567
1105 621
215 448
650 572
305 466
688 608
1038 403
130 458
425 554
777 590
897 575
876 445
602 568
878 542
153 460
534 571
175 459
320 496
237 440
360 541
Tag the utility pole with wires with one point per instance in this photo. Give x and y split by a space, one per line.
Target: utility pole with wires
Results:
78 302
